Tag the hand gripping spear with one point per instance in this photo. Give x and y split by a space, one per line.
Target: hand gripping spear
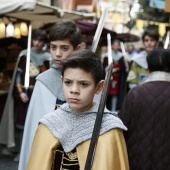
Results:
96 130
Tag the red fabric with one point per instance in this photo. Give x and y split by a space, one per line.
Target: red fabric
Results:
114 83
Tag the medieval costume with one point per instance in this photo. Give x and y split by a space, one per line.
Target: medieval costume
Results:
49 89
145 112
139 69
39 62
117 85
73 132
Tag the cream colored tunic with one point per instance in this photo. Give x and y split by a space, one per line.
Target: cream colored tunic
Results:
111 153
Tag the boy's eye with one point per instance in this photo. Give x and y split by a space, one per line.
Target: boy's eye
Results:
83 84
67 83
52 47
65 48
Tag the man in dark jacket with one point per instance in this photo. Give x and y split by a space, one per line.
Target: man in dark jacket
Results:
146 113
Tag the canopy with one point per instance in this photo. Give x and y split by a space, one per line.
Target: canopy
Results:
38 13
89 28
16 6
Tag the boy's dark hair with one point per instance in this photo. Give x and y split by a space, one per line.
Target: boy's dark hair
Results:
115 41
151 33
40 35
86 60
159 60
65 30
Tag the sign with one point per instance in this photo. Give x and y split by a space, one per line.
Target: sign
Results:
167 5
160 4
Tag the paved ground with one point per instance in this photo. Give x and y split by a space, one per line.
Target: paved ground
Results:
7 163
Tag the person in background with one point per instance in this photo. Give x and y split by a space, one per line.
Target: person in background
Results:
4 81
64 38
145 112
130 52
68 129
4 86
39 62
138 67
15 110
118 81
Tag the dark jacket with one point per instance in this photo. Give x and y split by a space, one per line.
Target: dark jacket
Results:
146 113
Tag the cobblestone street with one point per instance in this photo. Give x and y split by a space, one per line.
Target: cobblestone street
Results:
7 162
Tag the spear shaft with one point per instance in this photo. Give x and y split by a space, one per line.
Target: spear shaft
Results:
167 40
99 30
124 56
27 76
98 121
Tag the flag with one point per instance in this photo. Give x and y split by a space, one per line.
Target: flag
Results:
160 4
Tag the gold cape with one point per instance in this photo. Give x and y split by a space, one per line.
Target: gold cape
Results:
111 153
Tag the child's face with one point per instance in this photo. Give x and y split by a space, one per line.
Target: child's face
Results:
149 43
38 45
79 89
115 46
60 50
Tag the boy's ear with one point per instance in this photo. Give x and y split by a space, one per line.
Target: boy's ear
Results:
78 47
99 86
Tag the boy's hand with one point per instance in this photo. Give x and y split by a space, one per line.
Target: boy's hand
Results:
24 98
115 70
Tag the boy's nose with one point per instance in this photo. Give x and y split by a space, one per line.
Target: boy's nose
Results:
74 89
58 53
36 41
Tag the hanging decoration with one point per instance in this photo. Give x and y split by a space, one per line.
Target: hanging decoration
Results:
2 30
162 29
24 29
115 18
17 32
10 30
139 24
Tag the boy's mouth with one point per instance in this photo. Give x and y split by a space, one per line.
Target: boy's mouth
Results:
57 61
74 100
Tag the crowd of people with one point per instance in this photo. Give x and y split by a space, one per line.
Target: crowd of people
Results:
55 116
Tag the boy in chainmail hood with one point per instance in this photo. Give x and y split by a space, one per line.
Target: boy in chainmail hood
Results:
66 132
64 38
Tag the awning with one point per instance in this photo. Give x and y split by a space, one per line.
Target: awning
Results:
89 29
16 5
39 14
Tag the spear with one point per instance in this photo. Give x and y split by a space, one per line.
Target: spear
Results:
27 77
124 56
98 121
167 40
99 30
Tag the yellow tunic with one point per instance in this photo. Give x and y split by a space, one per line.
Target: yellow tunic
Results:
111 153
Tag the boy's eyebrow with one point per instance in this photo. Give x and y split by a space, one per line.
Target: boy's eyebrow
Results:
59 45
87 81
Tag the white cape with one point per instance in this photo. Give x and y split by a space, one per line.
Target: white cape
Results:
140 59
41 107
